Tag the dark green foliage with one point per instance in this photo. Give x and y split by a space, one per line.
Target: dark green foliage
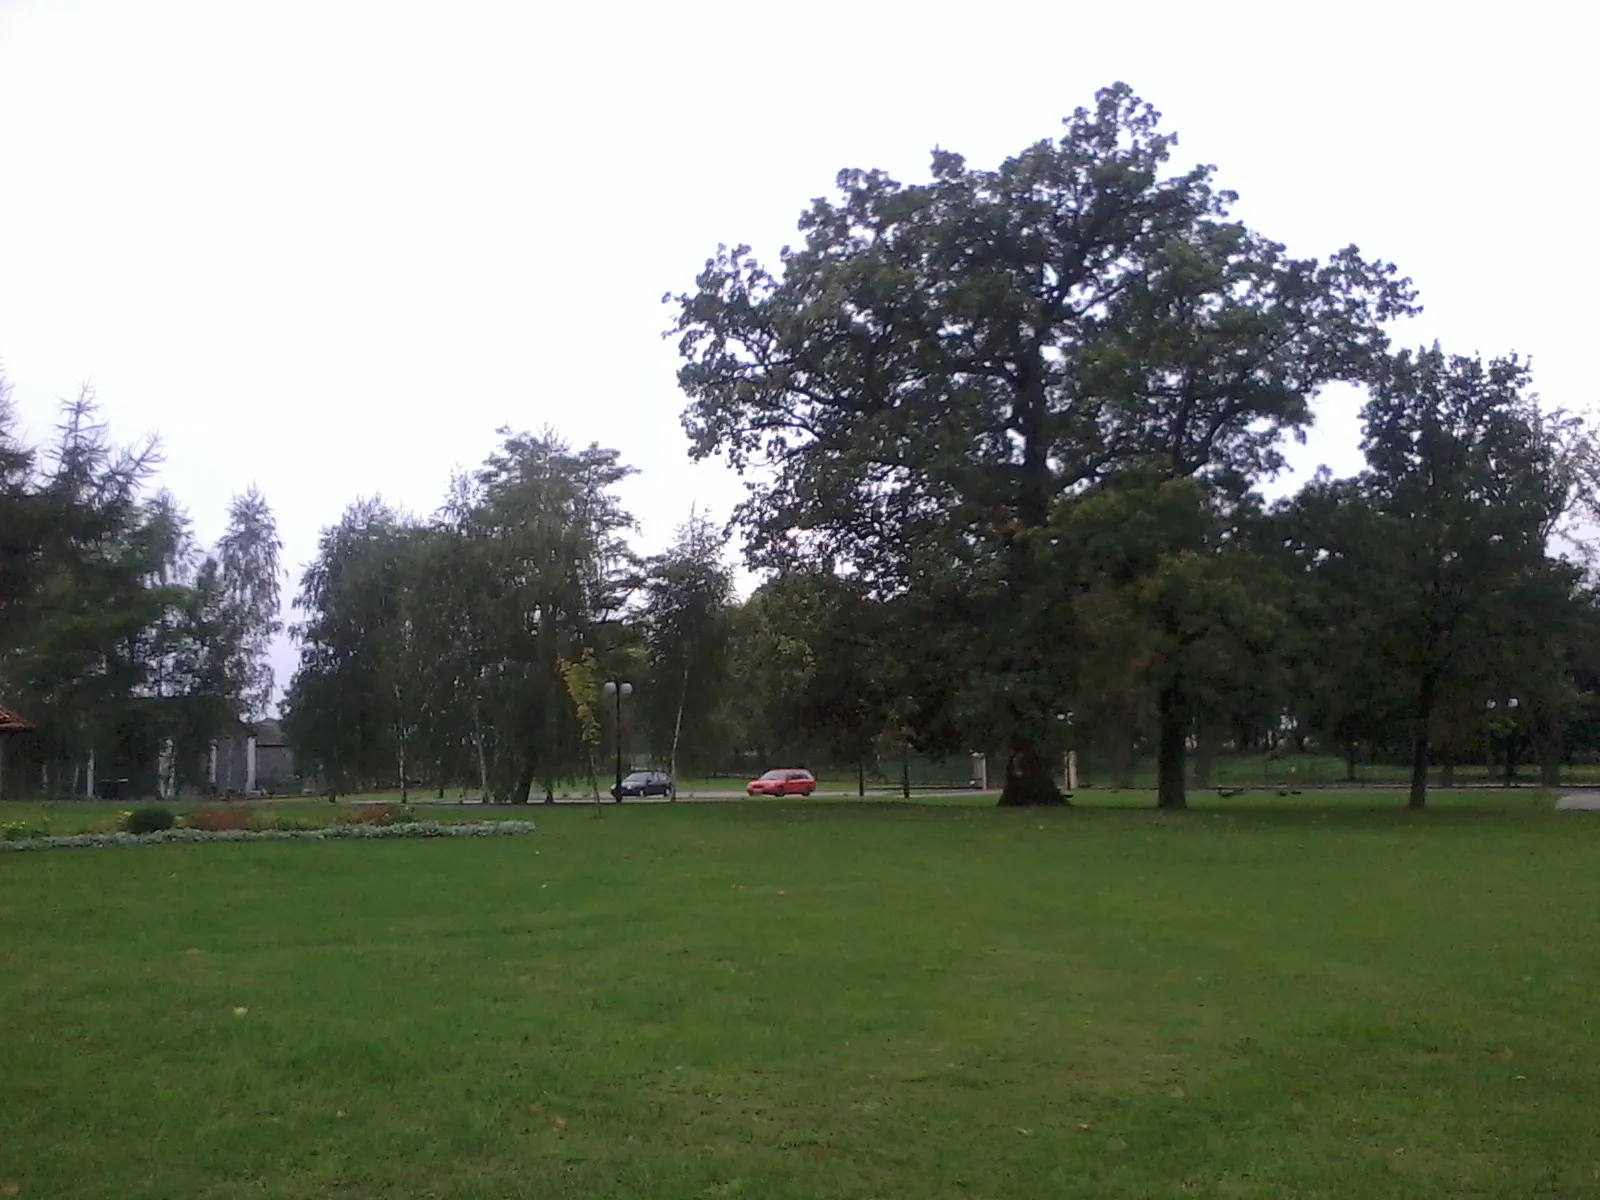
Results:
819 670
1173 602
688 592
1436 589
149 820
433 650
940 365
344 710
248 561
379 814
119 637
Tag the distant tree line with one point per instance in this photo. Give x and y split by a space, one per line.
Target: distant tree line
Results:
1408 613
1006 436
119 633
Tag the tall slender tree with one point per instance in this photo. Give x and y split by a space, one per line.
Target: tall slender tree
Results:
687 592
248 556
342 710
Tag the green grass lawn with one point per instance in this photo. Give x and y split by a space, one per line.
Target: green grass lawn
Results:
1313 998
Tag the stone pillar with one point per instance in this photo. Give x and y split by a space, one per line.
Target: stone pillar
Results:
250 765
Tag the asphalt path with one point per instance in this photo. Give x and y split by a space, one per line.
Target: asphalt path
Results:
704 797
1580 802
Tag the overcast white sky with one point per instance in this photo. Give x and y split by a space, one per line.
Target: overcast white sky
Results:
328 246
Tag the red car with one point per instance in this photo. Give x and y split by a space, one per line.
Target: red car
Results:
782 783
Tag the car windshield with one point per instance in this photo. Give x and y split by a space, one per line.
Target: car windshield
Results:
776 775
638 777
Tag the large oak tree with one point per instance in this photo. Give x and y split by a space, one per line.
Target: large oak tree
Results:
938 365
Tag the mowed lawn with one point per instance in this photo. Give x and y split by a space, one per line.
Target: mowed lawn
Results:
1307 999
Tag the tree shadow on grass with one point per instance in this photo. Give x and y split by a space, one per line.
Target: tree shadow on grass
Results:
1361 811
1355 810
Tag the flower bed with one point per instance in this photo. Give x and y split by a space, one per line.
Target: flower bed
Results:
408 829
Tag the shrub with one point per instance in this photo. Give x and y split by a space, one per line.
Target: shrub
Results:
378 814
218 818
410 829
148 820
284 823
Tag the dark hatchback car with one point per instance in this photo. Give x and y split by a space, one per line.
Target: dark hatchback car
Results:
644 783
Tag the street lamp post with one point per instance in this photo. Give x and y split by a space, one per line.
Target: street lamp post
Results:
1511 742
1069 759
619 689
1509 735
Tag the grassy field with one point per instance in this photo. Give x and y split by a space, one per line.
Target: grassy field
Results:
1323 997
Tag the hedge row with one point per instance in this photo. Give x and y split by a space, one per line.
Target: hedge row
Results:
409 829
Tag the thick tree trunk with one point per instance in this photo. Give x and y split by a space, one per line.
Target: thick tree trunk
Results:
1170 753
1418 797
524 785
1029 779
1121 757
1549 770
1549 752
1205 758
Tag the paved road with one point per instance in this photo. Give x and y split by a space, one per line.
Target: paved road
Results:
1580 801
700 797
